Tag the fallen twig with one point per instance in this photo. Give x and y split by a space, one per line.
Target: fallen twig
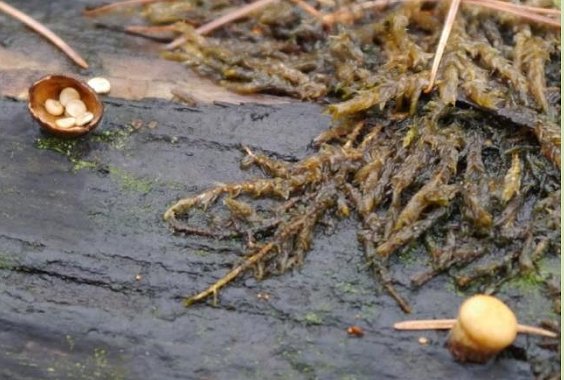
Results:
120 4
526 12
225 19
308 8
447 324
44 31
452 11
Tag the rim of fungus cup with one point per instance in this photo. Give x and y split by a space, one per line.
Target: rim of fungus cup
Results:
49 87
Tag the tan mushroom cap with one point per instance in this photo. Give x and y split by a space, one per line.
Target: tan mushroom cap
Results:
488 322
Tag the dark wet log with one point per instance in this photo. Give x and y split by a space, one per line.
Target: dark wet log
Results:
92 275
91 278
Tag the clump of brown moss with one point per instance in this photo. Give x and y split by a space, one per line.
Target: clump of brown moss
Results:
460 169
469 173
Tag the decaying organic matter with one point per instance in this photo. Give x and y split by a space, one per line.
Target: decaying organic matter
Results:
470 170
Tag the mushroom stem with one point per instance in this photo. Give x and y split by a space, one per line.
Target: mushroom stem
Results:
44 31
447 324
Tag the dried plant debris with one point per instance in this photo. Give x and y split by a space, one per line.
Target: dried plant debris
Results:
466 189
468 172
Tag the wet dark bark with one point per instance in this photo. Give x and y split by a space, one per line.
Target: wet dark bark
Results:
91 274
91 278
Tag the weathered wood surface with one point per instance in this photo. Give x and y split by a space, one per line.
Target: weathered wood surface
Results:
72 243
131 63
91 278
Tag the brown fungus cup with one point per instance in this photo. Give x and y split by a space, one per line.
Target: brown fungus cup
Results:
50 87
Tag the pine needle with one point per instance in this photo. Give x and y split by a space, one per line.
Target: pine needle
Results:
120 4
225 19
308 9
43 31
452 11
528 13
447 324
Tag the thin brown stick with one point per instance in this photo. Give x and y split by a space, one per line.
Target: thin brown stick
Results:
149 29
308 8
232 16
523 11
533 330
321 204
516 10
225 19
213 289
539 10
492 4
384 276
255 258
161 33
430 324
120 4
452 11
44 31
346 12
447 324
327 3
506 4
